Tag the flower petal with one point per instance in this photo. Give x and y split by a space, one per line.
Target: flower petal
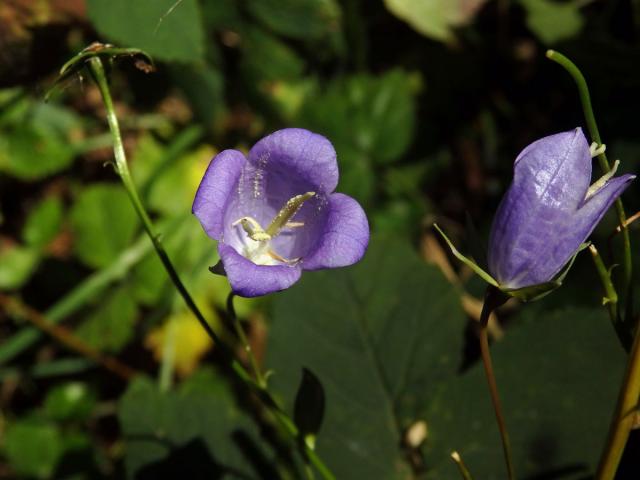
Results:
296 152
345 236
216 189
548 240
250 280
555 170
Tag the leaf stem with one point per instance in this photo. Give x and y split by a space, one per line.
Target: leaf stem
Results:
97 70
237 325
462 467
493 299
592 126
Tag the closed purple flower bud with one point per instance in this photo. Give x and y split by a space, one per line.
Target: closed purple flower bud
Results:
549 210
274 212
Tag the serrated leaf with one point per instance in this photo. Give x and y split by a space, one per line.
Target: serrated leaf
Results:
558 376
165 29
304 19
383 336
435 18
104 223
194 432
552 21
43 223
110 325
16 266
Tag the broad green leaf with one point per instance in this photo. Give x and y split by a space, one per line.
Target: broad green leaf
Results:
194 432
304 19
110 325
104 223
374 115
16 266
43 223
283 62
33 448
435 18
553 21
166 29
382 337
558 377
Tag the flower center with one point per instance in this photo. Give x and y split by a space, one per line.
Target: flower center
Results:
257 245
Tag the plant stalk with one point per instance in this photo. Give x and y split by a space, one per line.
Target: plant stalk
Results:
493 299
98 73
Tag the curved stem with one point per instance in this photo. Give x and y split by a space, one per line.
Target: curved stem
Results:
592 126
245 342
623 417
97 70
493 299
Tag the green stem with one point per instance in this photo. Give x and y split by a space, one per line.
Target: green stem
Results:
462 467
245 342
493 299
623 417
611 296
97 70
592 126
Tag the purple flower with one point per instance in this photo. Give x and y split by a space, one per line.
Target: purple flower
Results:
274 213
549 210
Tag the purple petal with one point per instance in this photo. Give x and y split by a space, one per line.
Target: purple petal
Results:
215 191
250 280
551 179
345 236
298 153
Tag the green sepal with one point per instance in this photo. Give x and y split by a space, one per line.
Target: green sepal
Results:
467 261
536 292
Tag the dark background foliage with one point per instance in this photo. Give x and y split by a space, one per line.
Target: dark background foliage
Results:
427 103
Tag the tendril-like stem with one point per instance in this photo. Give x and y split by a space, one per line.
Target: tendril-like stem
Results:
592 126
492 300
96 68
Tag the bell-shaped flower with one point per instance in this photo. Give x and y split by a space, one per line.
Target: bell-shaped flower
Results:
548 212
274 212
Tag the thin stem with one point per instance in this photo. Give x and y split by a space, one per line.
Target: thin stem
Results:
623 417
493 299
245 342
97 70
67 338
592 126
611 296
462 467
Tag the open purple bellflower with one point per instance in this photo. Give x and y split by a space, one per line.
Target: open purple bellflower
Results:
274 212
548 212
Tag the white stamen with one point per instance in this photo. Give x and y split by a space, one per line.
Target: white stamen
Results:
596 149
598 184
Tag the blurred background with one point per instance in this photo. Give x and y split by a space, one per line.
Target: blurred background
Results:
427 103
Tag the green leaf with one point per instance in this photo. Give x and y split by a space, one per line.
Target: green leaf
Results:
16 266
283 63
382 336
33 448
43 223
166 29
194 432
374 115
435 18
558 377
110 326
69 401
304 19
552 21
104 223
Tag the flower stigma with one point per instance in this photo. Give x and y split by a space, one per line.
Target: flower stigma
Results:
257 245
